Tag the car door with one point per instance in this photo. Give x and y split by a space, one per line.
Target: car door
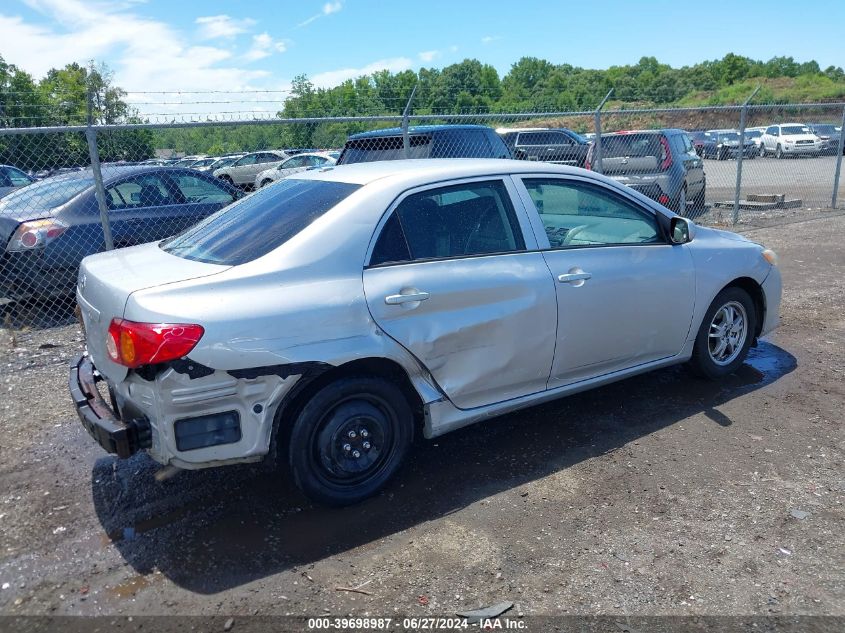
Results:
244 170
625 295
770 138
142 208
693 165
455 278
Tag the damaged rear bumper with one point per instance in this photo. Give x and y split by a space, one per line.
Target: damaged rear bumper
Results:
99 419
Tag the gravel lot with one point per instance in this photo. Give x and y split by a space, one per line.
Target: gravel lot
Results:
662 494
809 179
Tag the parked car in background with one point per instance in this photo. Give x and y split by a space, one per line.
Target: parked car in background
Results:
295 164
242 171
756 135
48 227
329 319
12 178
155 161
425 141
661 164
829 134
697 139
220 161
791 139
551 145
203 163
187 161
724 144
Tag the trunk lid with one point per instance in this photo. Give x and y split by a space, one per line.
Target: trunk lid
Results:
107 279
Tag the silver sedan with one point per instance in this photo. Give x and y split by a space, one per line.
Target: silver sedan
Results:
329 319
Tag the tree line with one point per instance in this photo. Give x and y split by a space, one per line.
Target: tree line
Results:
76 94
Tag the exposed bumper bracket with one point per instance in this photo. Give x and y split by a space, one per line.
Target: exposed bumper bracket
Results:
101 422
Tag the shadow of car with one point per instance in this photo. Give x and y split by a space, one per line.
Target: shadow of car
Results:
215 529
47 227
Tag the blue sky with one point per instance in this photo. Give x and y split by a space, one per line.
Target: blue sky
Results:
261 45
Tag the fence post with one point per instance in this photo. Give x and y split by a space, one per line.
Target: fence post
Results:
739 156
99 189
839 149
406 141
597 154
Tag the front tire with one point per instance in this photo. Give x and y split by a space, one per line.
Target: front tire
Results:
762 151
349 440
265 182
725 335
778 152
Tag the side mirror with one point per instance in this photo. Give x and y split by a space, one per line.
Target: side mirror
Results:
681 230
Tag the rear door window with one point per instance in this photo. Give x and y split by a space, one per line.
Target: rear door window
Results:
458 221
259 223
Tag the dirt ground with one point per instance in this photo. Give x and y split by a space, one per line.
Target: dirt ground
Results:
662 494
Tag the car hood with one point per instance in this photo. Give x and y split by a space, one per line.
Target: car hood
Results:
718 233
106 280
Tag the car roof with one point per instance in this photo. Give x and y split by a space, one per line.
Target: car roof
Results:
665 131
416 129
114 172
505 130
428 170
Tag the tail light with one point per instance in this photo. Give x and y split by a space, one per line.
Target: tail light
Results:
34 235
588 160
663 199
134 344
665 155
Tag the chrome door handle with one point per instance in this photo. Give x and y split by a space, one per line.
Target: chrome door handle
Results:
568 279
395 300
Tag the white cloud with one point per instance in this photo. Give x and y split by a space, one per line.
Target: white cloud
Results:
145 54
263 46
487 39
428 56
214 26
328 9
336 77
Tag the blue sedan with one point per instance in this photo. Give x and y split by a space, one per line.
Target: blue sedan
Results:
48 227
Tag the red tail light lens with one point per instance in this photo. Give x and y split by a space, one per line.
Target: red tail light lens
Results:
134 344
666 154
663 198
588 160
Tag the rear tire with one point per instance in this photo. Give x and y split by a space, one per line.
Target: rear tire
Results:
725 334
227 179
349 439
698 204
679 206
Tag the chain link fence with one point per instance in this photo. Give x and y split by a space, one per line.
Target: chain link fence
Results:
68 192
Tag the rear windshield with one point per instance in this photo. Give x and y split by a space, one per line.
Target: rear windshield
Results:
259 223
367 150
45 194
630 145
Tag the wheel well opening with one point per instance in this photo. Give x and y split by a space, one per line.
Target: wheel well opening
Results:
305 389
756 293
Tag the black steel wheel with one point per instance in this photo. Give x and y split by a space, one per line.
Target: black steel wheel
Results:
350 439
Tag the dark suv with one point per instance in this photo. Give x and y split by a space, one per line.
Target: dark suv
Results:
552 145
425 141
661 164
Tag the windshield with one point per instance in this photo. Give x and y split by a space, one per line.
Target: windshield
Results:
753 134
259 223
46 194
788 130
824 129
